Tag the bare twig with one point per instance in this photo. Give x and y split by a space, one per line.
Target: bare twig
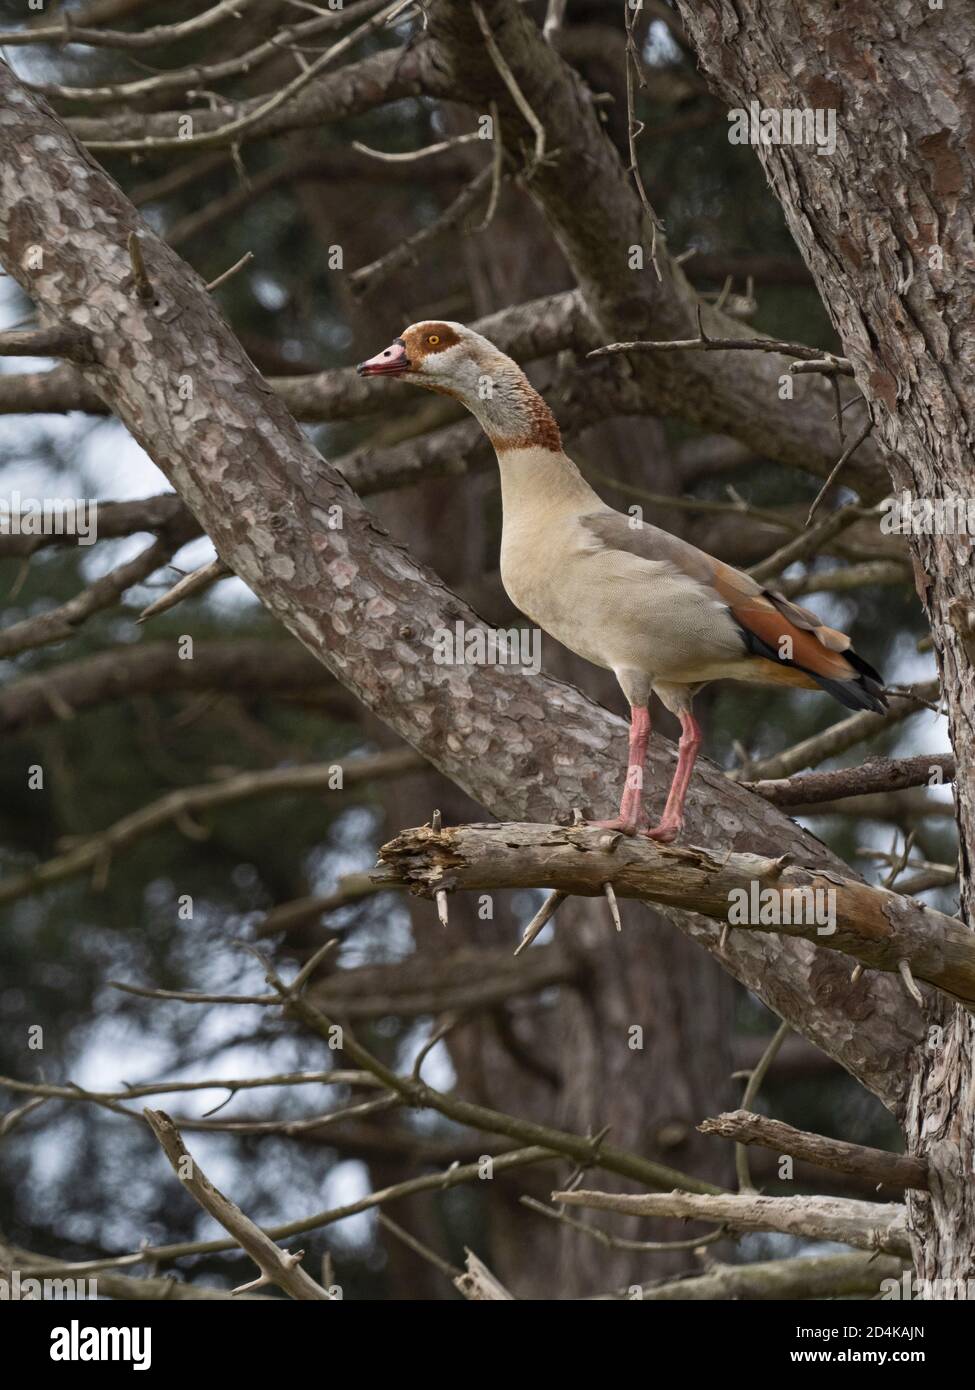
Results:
411 156
180 79
904 967
12 1118
236 128
497 169
612 1242
874 1165
614 909
752 1088
450 1177
66 32
49 1091
59 624
703 343
827 365
67 340
511 82
808 543
126 1286
844 578
351 888
245 259
634 129
368 277
877 775
424 1251
544 914
189 996
96 851
186 587
255 667
844 458
929 876
586 1151
841 736
277 1266
703 506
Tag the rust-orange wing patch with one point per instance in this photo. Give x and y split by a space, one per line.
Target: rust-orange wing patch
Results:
788 632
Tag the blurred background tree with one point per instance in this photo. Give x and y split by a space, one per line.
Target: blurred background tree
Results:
81 1181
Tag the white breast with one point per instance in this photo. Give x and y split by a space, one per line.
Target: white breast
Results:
615 609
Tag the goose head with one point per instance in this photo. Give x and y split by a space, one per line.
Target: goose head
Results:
441 356
453 360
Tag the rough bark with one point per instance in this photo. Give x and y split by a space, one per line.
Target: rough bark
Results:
885 226
526 747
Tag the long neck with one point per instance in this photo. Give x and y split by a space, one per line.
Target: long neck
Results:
536 481
510 410
534 469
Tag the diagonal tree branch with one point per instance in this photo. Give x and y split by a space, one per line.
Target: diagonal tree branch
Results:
382 77
523 745
60 623
67 32
276 1265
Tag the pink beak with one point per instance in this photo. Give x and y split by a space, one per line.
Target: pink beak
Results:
392 361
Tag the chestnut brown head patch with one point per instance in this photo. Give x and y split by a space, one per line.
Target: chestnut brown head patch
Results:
424 339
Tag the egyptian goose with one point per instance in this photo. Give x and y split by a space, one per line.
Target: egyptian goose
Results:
659 613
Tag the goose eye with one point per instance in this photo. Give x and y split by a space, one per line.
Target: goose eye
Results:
433 339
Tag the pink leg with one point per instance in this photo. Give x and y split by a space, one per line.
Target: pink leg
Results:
672 821
631 806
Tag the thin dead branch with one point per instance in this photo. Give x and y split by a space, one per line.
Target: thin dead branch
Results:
873 1226
842 913
877 1166
277 1266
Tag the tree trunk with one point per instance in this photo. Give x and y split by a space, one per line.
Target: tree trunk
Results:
526 746
885 225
